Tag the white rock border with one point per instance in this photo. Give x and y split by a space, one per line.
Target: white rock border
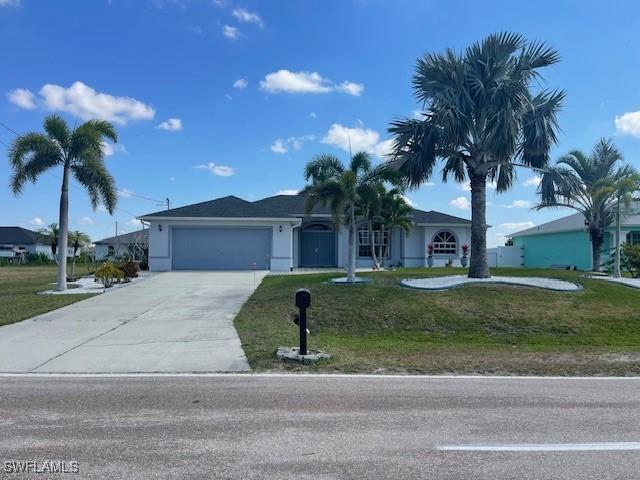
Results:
88 286
627 282
452 281
345 281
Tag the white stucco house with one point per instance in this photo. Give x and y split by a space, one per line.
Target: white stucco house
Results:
275 234
132 245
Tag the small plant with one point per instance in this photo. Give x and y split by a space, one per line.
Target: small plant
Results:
108 273
464 261
465 250
430 254
631 259
129 270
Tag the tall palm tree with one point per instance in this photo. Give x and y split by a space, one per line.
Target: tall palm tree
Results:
52 232
80 153
482 119
583 183
625 185
78 240
395 212
338 187
370 207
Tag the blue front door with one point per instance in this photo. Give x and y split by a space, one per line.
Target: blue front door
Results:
318 246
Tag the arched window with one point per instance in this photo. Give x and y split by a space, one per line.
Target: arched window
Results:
444 243
364 241
318 227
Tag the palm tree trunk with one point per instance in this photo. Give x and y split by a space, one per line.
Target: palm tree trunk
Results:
597 239
351 267
616 263
478 265
73 265
63 222
382 250
373 245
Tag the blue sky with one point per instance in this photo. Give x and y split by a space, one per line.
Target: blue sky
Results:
213 98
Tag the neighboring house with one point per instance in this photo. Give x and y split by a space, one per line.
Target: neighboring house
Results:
566 241
275 234
17 242
134 245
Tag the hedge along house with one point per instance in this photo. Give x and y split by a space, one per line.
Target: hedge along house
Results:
565 242
275 234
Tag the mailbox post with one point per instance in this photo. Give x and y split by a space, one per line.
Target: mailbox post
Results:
303 301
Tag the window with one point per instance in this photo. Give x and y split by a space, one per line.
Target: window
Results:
633 238
318 227
444 243
364 242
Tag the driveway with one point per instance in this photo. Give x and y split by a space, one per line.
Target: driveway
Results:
170 322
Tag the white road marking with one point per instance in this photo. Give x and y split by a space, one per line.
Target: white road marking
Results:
544 447
314 375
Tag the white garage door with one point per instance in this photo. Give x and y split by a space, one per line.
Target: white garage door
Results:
220 248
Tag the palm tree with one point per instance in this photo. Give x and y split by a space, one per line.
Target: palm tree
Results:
482 119
78 240
51 232
370 207
79 152
625 185
339 188
395 212
584 183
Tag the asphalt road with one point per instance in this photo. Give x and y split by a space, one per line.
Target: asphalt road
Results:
323 428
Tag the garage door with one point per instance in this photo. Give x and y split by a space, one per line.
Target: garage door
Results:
220 248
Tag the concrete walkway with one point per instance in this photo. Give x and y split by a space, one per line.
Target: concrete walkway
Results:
171 322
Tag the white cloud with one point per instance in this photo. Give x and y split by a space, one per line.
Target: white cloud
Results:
286 81
172 179
292 143
240 84
313 115
228 97
512 227
81 100
23 98
245 16
461 202
350 88
124 193
230 32
417 115
359 138
9 3
218 170
102 209
288 191
498 235
171 125
628 124
36 222
134 222
519 204
110 149
85 221
533 181
466 187
429 184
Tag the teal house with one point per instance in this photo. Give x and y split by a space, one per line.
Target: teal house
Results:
566 241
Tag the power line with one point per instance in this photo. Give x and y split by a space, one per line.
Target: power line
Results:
10 129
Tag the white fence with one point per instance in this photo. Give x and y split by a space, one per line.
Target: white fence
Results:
505 257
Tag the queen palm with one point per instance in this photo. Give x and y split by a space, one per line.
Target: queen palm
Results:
339 188
481 118
395 212
78 240
625 185
370 207
584 183
79 151
52 232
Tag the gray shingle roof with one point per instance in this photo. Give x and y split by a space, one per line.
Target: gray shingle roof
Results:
139 236
21 236
278 206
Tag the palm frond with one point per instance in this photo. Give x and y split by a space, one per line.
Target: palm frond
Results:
30 155
58 130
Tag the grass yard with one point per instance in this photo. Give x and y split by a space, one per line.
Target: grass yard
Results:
18 293
385 328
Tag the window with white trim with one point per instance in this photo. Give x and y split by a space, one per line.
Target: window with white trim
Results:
633 238
444 243
364 242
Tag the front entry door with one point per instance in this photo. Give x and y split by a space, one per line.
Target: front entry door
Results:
318 246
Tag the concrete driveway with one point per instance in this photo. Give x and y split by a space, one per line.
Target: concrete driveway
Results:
169 322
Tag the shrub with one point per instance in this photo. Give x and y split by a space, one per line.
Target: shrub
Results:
130 270
108 273
38 259
630 258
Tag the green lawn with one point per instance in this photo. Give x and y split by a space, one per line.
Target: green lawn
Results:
18 293
382 327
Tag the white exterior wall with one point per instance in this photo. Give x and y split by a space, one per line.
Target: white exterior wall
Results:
160 240
505 256
415 248
462 234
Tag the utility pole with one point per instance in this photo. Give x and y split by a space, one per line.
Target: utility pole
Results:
168 204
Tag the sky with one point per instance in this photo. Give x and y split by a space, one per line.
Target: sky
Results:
231 97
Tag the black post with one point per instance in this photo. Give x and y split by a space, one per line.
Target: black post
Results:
303 301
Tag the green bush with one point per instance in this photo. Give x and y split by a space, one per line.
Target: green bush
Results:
630 258
108 273
38 259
